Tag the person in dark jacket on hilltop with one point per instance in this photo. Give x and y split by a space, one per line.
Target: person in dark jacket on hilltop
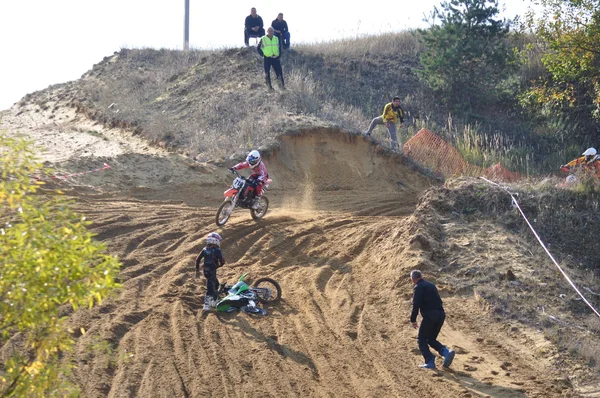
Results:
427 300
213 259
280 28
253 26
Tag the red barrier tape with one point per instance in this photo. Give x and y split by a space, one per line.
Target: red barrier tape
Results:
64 177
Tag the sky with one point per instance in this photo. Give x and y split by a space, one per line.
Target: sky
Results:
45 42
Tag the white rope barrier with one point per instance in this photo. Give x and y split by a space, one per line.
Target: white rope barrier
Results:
514 201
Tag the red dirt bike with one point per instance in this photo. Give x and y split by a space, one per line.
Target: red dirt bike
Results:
241 194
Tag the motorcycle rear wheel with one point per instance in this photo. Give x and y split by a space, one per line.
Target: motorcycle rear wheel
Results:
263 206
272 285
224 212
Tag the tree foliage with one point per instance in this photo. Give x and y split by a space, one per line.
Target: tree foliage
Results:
571 31
466 54
49 260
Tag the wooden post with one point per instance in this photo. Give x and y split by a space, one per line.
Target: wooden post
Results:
186 26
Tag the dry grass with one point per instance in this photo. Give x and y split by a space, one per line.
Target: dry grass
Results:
210 104
402 43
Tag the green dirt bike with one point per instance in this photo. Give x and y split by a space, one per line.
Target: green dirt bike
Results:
243 297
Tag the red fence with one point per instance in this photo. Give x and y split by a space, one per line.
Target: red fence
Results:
433 152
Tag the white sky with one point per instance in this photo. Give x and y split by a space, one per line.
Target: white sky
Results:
44 42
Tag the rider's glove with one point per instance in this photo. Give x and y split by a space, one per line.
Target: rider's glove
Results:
231 169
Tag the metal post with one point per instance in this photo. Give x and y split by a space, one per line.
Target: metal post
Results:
186 26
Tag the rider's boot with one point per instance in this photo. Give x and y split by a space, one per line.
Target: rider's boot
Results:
207 302
255 204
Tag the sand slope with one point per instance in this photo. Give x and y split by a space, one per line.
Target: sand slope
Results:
345 228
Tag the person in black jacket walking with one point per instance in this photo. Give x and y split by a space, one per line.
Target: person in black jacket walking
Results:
427 300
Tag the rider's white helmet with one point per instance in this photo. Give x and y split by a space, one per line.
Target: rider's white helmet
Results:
253 158
213 239
590 152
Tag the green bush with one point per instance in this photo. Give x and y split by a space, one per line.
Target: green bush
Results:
49 260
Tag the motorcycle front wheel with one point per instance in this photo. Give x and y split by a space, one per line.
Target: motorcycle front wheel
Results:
263 206
267 290
224 212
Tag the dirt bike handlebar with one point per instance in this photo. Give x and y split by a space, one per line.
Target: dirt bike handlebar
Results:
235 173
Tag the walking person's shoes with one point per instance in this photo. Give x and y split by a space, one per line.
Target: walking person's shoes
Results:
367 133
429 364
448 356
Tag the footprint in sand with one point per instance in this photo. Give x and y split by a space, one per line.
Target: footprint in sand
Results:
476 359
505 365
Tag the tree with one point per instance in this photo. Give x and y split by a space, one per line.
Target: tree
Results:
570 30
49 259
466 55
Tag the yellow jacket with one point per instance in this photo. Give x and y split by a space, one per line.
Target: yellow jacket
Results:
594 165
270 47
392 115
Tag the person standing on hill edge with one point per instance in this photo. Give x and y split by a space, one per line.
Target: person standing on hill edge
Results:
392 114
253 26
427 300
213 259
281 31
269 47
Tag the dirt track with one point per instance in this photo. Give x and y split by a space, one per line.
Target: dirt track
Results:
341 329
341 236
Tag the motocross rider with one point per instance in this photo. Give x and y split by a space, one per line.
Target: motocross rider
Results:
259 175
213 259
589 160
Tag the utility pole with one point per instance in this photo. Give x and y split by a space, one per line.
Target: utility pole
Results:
186 26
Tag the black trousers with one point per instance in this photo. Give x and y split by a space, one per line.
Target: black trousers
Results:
212 283
284 41
276 64
248 33
428 332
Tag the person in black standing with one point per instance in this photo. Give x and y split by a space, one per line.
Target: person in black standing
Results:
427 300
280 27
253 26
213 259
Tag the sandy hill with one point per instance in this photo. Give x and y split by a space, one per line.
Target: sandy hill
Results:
348 221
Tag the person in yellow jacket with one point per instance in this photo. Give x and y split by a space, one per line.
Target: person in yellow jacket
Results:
589 160
392 114
269 46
